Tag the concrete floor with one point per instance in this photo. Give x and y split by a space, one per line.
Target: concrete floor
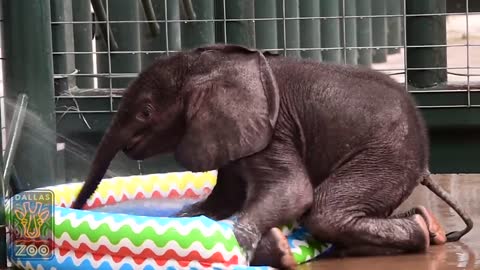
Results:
464 254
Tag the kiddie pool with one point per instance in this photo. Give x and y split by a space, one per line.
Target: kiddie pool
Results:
127 224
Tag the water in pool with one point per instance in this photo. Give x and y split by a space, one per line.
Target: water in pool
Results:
147 207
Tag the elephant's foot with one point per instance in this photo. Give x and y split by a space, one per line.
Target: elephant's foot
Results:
193 210
424 229
274 250
204 208
435 230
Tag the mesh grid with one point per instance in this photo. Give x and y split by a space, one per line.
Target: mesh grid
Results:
462 44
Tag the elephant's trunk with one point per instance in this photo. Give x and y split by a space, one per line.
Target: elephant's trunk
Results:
106 151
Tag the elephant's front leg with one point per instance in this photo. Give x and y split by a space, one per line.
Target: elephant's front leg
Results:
226 198
278 192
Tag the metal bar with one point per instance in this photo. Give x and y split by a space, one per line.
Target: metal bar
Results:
379 31
310 30
97 93
133 75
364 32
330 30
341 6
289 36
394 26
266 31
469 97
219 21
62 40
351 32
82 32
195 34
224 24
291 49
29 69
426 31
279 19
173 28
288 49
241 32
12 144
167 32
282 35
419 106
109 49
3 223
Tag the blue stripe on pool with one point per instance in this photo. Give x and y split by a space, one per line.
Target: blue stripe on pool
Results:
161 221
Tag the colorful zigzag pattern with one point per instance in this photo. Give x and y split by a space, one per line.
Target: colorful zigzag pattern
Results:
96 240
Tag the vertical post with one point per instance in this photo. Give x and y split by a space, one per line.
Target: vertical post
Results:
364 32
310 29
292 26
220 24
127 36
379 31
351 32
241 32
426 30
394 25
29 69
82 33
174 29
330 29
195 34
266 31
3 184
62 41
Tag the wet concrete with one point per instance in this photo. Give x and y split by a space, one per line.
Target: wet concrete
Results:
464 254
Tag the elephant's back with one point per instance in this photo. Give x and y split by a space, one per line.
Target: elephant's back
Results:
342 108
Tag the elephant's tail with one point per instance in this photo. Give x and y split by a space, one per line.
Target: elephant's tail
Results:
445 196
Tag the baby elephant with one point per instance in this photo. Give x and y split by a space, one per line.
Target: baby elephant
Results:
337 148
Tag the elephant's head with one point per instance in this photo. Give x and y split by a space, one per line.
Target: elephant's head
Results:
210 106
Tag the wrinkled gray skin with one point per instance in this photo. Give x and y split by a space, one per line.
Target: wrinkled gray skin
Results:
336 147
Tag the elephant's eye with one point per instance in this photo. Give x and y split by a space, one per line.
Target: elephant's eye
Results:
146 112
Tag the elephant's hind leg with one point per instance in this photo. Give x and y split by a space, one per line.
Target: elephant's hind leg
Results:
384 248
352 207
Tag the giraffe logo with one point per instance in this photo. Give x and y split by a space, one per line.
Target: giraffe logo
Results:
31 225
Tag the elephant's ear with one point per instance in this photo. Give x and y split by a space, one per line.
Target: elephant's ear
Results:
232 104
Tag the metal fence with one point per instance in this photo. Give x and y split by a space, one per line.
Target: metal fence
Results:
343 31
99 46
